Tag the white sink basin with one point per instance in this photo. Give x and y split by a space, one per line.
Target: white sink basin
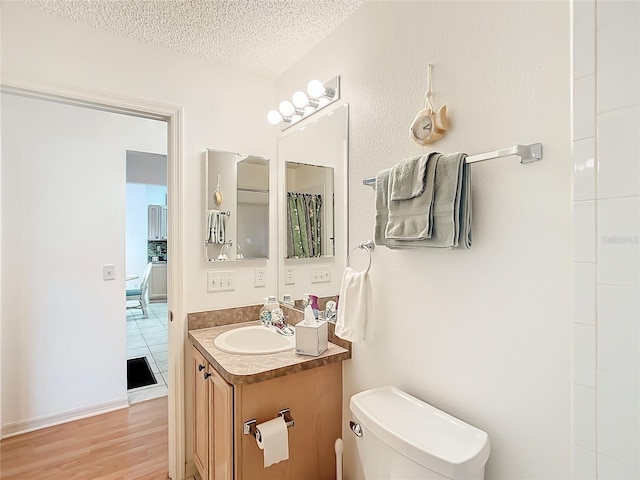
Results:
254 340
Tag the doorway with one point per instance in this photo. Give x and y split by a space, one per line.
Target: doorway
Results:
40 270
146 266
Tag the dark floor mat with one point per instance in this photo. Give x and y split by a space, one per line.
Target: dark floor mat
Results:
139 373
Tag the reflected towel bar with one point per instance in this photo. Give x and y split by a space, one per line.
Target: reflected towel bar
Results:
221 212
527 153
249 427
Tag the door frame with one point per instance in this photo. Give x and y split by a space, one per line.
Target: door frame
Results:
172 114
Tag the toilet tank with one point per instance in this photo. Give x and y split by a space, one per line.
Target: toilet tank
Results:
418 436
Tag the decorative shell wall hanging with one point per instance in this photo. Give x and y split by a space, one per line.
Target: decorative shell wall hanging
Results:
429 125
217 196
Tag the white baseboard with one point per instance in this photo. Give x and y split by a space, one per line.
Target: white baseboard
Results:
24 426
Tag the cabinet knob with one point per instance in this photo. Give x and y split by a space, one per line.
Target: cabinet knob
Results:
206 375
200 368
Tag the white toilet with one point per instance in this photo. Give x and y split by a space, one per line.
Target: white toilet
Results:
399 437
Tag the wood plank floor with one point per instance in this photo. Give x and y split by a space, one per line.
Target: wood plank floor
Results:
128 444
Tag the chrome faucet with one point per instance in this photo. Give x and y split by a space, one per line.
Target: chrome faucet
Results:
330 311
279 322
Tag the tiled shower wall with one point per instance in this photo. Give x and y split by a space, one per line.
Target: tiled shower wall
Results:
606 216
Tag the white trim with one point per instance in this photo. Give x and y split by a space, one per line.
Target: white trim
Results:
87 98
44 421
178 324
172 114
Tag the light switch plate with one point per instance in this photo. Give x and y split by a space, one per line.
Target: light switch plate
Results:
320 274
221 281
108 272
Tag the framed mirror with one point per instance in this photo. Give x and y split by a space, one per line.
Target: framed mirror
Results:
236 216
312 201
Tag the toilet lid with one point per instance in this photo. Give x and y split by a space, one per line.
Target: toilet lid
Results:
426 435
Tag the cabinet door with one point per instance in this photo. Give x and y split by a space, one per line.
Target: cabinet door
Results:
221 452
153 222
158 283
315 399
200 414
163 222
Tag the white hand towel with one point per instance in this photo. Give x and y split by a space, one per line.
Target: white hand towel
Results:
210 220
354 307
220 232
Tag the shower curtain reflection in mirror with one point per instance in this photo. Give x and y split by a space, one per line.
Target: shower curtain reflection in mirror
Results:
309 210
304 225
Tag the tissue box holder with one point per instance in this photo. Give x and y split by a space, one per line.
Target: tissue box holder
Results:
312 339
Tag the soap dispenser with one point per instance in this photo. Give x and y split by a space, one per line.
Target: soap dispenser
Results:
286 298
270 303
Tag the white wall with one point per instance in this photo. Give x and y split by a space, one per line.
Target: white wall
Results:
483 334
218 103
63 215
606 215
145 167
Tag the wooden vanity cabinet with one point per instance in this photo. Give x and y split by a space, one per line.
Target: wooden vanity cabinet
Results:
315 399
212 426
201 421
223 452
221 431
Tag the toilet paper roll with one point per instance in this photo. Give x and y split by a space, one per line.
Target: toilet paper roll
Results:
274 441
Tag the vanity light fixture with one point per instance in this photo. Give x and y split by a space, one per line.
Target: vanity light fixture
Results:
316 89
302 105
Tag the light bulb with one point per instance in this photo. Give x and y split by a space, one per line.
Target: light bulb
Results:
286 108
315 89
274 117
300 99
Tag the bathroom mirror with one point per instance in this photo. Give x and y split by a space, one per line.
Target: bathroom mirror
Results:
236 218
312 206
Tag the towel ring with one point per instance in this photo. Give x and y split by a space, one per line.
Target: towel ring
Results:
368 246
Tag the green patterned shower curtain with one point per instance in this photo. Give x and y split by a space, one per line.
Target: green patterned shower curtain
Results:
304 225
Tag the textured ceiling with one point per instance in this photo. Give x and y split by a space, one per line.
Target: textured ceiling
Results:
261 36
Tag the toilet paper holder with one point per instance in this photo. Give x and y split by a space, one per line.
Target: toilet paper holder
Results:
249 427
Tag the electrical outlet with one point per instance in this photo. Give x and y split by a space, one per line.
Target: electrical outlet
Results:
260 277
289 277
108 272
321 274
221 281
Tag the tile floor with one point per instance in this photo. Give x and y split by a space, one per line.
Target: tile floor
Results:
147 337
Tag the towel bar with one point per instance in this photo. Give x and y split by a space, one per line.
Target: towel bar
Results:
527 153
249 427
